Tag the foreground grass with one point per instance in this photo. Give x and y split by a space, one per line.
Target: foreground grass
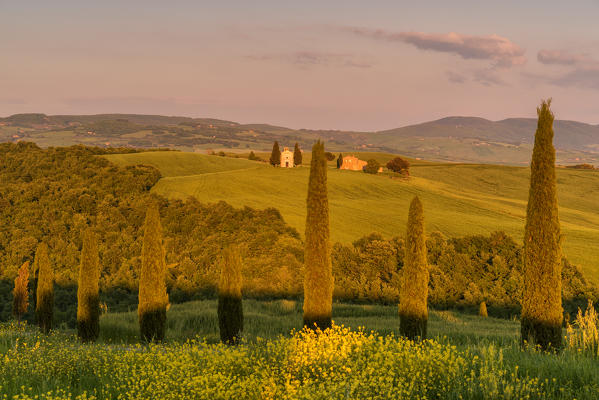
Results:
340 364
468 358
459 199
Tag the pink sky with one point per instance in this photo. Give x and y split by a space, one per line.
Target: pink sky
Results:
337 65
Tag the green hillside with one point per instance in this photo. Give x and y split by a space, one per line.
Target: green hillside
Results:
459 199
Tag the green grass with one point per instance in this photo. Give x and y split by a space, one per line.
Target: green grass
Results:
458 199
270 319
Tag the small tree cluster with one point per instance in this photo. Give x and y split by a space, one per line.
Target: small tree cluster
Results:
21 292
399 165
372 166
253 156
230 307
329 156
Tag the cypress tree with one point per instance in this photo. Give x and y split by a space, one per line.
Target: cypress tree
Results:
275 156
318 278
88 300
413 312
482 310
21 292
297 155
230 308
153 299
339 161
44 305
541 321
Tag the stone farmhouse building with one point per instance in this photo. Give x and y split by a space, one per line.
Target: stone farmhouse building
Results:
353 163
287 158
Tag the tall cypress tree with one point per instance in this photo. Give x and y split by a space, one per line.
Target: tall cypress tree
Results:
318 278
44 305
230 307
88 292
339 161
541 322
153 298
275 156
297 155
20 302
413 312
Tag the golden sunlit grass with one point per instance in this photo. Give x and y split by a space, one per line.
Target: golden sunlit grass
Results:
459 199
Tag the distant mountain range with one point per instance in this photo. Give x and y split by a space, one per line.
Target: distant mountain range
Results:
455 139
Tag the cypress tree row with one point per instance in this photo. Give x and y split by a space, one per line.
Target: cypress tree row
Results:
275 156
230 307
413 312
153 299
541 322
44 305
21 292
318 276
88 300
297 155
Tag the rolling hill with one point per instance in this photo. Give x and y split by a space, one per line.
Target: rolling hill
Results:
459 199
451 139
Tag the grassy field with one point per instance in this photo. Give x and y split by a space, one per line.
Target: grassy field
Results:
469 357
459 199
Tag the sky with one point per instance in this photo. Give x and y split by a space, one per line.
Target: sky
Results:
351 65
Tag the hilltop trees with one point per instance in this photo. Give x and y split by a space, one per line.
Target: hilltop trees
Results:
413 293
275 155
88 300
318 276
297 155
153 298
230 307
399 165
21 292
44 305
339 161
541 322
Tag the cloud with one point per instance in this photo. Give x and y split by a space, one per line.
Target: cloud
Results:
305 59
455 77
561 57
583 70
499 50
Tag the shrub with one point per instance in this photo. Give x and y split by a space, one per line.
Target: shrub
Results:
318 275
542 313
252 156
583 334
230 307
153 299
329 156
88 292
